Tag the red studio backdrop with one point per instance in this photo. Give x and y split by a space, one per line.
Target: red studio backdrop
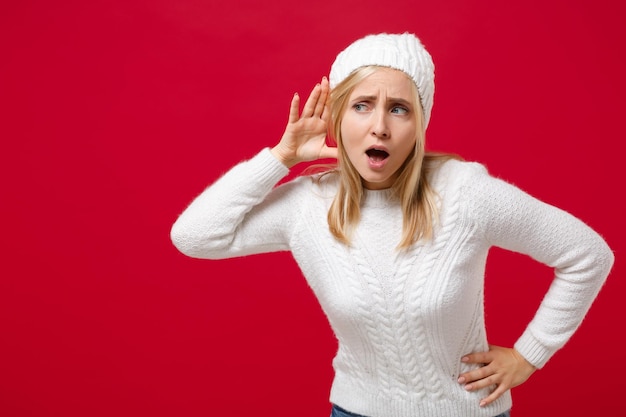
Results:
115 114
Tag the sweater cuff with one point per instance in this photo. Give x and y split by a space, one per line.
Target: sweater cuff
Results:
533 350
269 169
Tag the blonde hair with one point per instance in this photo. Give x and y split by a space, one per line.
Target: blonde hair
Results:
417 198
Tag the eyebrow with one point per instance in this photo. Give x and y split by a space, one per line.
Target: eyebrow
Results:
375 98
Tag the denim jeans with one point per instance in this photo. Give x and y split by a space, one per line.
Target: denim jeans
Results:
340 412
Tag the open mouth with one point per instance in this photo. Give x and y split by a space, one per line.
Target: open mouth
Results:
377 155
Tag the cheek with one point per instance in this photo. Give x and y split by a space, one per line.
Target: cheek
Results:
349 135
408 138
409 148
351 148
405 149
409 144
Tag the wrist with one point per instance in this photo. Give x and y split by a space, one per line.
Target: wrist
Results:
284 157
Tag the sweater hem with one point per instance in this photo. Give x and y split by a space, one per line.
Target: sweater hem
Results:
372 401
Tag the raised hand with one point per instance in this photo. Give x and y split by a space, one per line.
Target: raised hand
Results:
504 367
305 135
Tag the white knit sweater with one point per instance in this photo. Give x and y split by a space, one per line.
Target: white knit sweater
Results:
404 320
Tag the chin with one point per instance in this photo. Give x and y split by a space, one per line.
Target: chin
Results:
376 183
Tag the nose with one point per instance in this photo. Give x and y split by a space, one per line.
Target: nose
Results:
379 125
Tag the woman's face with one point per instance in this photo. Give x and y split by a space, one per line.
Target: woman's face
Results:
379 127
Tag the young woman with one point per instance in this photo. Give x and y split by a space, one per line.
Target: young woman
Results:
394 242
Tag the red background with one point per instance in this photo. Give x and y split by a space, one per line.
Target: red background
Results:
115 114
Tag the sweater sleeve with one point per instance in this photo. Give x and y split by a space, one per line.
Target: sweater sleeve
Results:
581 259
242 213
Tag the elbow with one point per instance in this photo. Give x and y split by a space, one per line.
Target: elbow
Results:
590 262
607 259
185 241
180 239
601 258
195 243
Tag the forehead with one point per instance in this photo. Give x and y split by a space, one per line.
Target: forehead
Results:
387 81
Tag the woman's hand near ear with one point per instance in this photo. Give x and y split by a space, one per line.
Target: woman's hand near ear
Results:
305 135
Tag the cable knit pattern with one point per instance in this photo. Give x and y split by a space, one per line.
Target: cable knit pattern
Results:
404 319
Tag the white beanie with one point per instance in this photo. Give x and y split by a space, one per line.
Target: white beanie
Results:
403 52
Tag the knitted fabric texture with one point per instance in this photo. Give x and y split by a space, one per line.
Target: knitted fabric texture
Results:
403 52
403 320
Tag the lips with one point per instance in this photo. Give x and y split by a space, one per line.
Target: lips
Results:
377 157
377 154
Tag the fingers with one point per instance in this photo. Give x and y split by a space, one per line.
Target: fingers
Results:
479 379
294 109
503 369
315 104
321 102
478 358
500 389
485 377
311 102
326 110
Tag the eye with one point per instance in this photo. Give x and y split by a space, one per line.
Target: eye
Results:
399 110
360 107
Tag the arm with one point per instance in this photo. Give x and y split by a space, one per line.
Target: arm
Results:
242 213
235 216
581 259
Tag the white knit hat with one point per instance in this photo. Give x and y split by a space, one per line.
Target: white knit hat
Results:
403 52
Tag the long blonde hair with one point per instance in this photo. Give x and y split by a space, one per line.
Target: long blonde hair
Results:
417 198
